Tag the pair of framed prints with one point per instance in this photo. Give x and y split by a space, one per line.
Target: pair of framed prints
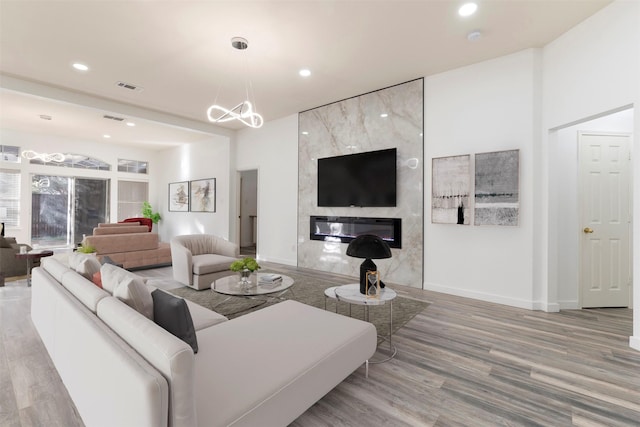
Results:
193 196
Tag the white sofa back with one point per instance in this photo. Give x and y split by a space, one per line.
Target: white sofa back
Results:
170 355
110 384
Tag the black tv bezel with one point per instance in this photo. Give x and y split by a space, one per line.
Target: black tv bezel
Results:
354 155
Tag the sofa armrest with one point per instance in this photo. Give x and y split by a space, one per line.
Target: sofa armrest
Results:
181 259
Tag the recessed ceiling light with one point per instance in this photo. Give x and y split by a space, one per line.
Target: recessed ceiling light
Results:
384 115
304 72
106 136
467 9
131 124
80 67
305 133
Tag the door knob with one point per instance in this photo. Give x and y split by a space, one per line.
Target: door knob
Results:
588 230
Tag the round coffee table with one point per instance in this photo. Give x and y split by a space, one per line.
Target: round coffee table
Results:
30 257
231 286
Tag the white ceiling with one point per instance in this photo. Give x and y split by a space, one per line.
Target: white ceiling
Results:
180 53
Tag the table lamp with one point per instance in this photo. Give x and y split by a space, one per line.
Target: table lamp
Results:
369 247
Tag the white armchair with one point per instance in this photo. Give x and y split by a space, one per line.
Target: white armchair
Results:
199 259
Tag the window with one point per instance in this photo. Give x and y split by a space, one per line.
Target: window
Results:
10 198
10 153
64 208
131 196
133 166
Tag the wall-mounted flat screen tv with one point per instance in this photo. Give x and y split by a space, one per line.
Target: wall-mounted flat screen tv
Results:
362 179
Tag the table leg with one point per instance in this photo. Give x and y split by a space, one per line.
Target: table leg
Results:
390 324
28 272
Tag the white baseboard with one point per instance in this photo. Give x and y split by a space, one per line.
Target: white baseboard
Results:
634 342
569 305
482 296
291 263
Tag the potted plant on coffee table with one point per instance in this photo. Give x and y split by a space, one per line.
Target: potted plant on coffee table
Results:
245 267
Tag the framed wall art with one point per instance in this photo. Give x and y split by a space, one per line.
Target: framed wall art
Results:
451 190
497 194
179 196
203 195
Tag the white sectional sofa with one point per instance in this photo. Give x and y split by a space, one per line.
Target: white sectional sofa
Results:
122 369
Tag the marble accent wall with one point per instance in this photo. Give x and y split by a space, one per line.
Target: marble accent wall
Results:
387 118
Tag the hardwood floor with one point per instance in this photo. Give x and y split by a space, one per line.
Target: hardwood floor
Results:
461 362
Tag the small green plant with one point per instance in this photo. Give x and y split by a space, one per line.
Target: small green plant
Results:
245 263
87 249
147 212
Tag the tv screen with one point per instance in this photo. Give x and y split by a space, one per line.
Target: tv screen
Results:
363 179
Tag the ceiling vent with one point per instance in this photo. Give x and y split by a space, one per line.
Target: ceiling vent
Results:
129 86
117 119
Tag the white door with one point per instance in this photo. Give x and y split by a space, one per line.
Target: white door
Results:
605 210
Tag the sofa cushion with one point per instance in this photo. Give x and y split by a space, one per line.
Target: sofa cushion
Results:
125 229
173 315
211 263
84 290
114 243
54 267
127 287
203 317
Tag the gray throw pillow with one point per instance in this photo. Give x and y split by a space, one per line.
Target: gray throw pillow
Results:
172 314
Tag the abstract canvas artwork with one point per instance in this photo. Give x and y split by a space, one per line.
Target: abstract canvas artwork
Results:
203 195
497 188
179 196
450 190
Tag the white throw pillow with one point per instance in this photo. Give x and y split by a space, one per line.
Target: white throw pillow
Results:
127 287
136 295
84 264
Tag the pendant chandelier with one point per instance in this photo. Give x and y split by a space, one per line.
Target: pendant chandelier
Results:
243 112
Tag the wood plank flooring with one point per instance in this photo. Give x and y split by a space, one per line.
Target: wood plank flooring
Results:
460 362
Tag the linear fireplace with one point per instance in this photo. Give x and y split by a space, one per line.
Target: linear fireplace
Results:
347 228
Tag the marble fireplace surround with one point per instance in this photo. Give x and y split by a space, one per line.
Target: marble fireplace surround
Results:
387 118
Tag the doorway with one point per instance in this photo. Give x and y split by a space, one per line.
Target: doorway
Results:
605 252
248 212
566 222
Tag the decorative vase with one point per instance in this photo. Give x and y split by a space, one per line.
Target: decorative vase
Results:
245 277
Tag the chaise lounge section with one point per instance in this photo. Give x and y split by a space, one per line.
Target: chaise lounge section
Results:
122 369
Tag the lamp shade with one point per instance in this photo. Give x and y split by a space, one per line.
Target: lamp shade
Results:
369 246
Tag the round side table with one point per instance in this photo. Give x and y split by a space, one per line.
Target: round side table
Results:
351 294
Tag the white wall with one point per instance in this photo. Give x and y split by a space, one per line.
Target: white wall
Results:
481 108
109 153
588 71
201 160
273 151
564 203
